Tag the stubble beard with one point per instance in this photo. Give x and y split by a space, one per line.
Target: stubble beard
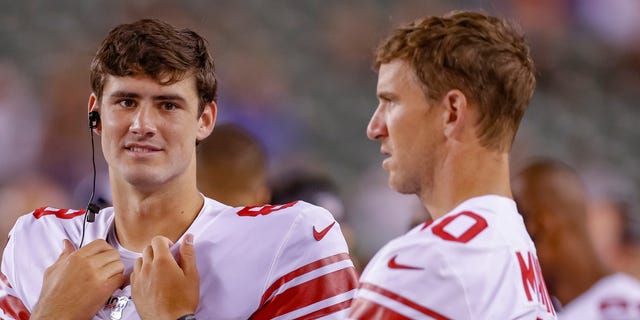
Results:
403 184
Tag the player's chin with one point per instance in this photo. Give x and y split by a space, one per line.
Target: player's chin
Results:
400 185
394 183
144 179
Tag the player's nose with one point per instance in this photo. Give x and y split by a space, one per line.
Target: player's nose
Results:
377 128
144 122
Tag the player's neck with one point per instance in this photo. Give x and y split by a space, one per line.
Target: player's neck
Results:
463 176
168 211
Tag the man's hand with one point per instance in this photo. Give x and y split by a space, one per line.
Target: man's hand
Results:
163 288
78 284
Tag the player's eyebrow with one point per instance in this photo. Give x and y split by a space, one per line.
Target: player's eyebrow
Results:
385 95
133 95
173 97
124 94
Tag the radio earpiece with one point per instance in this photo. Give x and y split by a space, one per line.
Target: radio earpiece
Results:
94 119
92 208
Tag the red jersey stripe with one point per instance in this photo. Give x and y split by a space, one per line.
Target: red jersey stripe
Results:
427 224
307 293
60 213
424 310
326 311
12 306
4 279
366 309
302 270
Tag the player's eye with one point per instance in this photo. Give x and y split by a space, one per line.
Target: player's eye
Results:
127 103
386 100
169 106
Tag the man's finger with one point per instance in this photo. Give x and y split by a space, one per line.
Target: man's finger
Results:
95 247
113 268
117 280
102 259
147 254
188 257
137 266
68 248
161 247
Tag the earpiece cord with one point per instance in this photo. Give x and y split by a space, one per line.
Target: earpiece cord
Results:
93 188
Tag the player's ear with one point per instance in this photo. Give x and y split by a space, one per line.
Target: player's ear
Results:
207 120
94 106
455 113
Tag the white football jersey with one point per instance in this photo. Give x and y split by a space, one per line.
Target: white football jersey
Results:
615 297
475 262
271 262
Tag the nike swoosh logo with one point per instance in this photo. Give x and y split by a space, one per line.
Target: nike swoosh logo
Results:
394 265
318 235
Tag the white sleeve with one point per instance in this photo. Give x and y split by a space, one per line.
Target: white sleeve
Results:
11 305
313 275
411 282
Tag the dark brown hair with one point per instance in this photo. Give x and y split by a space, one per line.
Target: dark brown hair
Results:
156 49
482 56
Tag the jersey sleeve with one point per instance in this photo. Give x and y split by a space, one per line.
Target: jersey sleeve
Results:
11 306
412 282
313 275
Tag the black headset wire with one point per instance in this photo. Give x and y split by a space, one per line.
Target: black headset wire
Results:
91 207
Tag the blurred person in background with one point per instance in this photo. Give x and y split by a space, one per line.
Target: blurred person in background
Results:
613 218
553 200
153 100
452 91
232 167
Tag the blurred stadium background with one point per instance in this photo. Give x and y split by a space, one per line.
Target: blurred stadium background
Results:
297 73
